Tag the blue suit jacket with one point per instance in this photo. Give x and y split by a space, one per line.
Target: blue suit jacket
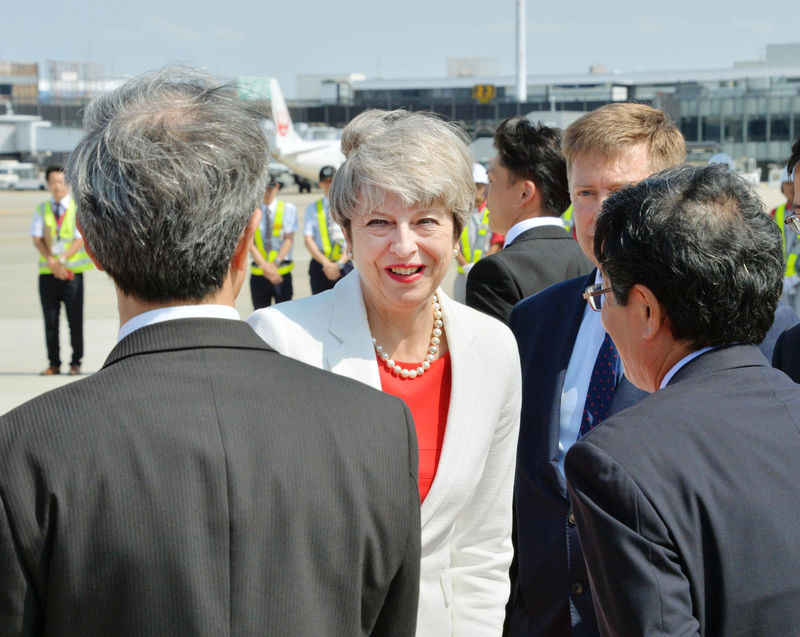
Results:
550 592
550 587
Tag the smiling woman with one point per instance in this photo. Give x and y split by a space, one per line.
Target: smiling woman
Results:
402 197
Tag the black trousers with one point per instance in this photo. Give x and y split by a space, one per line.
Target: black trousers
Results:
262 291
52 293
319 282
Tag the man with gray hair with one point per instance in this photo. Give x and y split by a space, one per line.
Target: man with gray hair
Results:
155 497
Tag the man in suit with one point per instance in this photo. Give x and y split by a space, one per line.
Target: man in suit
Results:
686 503
527 194
560 339
786 356
187 488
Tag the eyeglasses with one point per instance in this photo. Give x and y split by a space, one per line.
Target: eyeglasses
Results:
793 221
594 295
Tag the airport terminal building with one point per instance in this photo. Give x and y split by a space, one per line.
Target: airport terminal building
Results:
749 110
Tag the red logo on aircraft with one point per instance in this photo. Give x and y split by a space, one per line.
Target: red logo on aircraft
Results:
283 124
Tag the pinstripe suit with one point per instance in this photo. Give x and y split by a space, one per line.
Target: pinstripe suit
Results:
186 489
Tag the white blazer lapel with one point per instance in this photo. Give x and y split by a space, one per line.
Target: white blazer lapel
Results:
350 352
465 396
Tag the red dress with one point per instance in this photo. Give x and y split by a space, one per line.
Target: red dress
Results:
428 398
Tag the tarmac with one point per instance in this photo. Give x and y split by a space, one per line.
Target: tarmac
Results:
22 348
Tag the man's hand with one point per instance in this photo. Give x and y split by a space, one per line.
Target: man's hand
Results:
58 270
271 274
331 270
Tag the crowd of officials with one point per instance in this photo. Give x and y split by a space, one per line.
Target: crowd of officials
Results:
594 444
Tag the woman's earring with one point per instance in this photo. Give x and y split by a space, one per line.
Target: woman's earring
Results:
455 252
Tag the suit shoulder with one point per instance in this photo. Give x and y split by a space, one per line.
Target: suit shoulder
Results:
550 297
490 266
790 339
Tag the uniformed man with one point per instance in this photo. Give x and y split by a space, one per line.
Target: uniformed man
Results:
271 250
791 242
62 262
476 239
324 240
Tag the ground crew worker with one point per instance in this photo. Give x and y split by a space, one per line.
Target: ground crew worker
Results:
324 240
791 242
476 239
271 271
569 224
785 209
62 262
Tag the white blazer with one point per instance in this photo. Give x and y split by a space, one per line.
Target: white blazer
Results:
466 516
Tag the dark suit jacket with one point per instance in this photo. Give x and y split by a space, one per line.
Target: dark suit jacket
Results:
786 356
535 259
202 484
550 592
688 505
785 317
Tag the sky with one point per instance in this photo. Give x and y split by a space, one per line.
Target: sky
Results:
387 39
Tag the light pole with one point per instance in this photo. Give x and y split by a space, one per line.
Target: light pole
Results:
522 80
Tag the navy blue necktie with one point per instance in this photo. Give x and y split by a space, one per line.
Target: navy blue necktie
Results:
601 387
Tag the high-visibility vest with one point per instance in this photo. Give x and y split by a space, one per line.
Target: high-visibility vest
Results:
277 226
791 258
331 251
469 254
78 262
780 215
567 219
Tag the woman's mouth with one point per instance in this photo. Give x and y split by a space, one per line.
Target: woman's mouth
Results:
406 272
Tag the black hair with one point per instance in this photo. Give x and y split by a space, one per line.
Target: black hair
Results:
52 169
698 238
795 158
533 151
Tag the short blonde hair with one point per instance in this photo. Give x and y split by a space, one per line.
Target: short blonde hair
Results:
416 157
614 127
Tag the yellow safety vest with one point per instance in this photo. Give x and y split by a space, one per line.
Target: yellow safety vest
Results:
469 254
567 219
277 227
331 251
78 262
791 259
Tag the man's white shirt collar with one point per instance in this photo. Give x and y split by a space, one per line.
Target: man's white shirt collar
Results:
177 312
526 224
677 366
64 202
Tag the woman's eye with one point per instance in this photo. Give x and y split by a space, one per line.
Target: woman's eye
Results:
377 222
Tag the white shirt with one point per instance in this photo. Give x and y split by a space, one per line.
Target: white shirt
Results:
288 223
175 312
577 378
37 223
676 367
526 224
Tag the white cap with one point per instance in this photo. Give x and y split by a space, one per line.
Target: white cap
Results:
479 174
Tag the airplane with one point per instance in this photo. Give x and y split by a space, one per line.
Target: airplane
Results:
305 158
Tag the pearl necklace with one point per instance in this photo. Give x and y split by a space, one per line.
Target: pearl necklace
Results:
433 350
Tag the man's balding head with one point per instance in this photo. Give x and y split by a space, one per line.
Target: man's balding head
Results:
167 175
